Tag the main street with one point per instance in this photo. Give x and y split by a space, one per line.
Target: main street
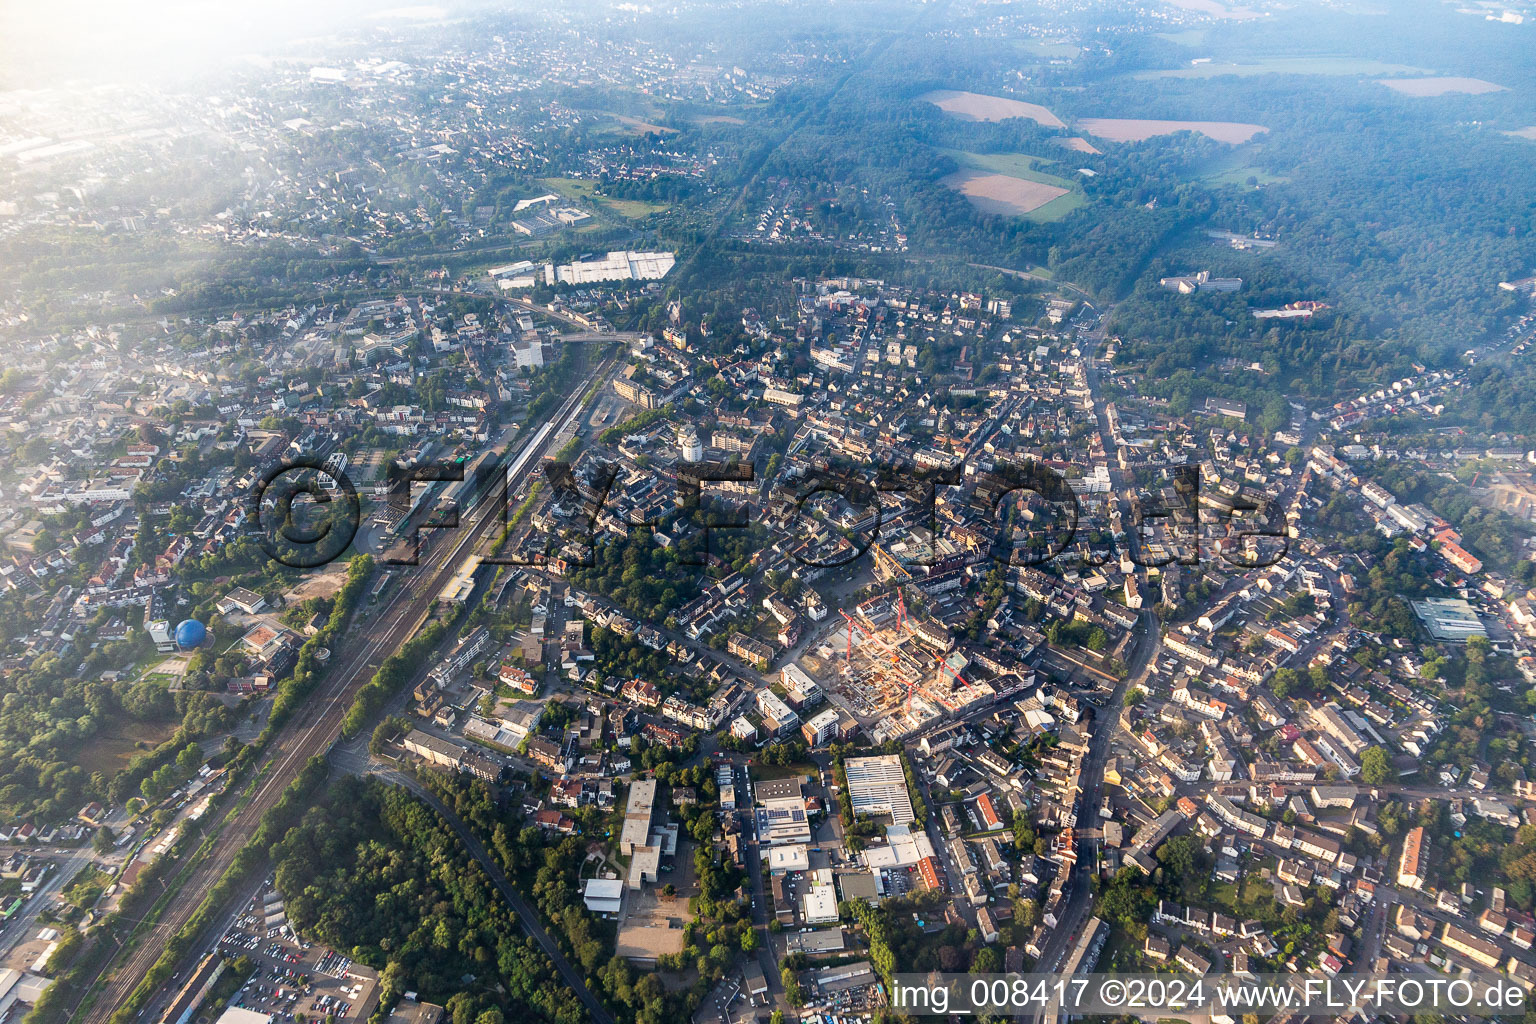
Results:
1106 723
64 871
372 638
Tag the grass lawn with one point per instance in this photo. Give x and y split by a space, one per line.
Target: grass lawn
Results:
761 772
635 126
110 749
1253 895
1022 165
1188 37
1225 894
1240 176
1236 167
1120 952
1041 48
586 191
634 209
571 188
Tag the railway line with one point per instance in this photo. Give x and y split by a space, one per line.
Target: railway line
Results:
315 729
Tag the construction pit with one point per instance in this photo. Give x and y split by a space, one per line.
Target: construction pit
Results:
890 671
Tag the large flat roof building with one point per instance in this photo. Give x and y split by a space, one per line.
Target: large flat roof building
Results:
434 749
1449 619
637 816
780 812
878 785
776 789
820 904
239 1015
192 993
782 820
603 895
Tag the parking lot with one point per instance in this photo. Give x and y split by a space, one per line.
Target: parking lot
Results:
293 979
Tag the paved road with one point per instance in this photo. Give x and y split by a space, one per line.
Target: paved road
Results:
525 913
1105 725
761 902
378 632
19 927
1106 721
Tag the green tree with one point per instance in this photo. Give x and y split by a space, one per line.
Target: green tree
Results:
1376 767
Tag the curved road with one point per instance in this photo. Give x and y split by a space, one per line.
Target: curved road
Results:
525 913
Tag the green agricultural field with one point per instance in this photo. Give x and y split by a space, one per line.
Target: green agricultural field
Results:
634 209
1041 48
1188 37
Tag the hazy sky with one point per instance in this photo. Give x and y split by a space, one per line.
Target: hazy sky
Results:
46 41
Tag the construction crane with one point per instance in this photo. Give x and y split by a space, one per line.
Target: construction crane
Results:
943 663
937 694
852 625
887 567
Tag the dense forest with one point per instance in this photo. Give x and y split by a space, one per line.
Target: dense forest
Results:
1364 192
375 871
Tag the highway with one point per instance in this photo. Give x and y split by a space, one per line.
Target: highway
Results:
375 634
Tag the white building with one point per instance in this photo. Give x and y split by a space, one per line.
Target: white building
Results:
240 1015
604 895
689 448
802 689
820 728
820 904
776 714
878 785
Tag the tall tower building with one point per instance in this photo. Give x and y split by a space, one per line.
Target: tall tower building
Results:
688 445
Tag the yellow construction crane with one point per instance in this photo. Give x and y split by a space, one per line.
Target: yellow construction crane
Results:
887 568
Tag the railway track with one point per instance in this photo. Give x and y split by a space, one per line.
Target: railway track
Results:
314 730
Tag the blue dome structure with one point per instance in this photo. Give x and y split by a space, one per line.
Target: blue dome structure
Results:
190 633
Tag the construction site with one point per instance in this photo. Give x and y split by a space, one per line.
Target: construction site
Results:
892 671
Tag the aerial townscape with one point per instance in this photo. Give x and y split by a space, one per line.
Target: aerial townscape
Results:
542 513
